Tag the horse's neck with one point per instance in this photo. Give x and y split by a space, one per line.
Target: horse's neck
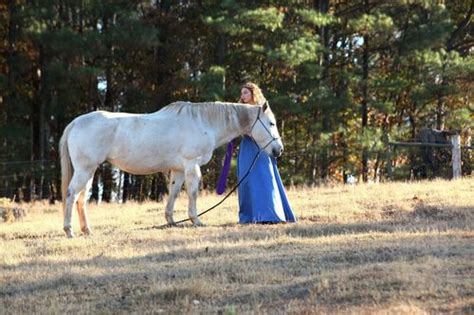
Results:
237 124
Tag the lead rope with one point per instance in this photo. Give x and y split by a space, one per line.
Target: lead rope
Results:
217 204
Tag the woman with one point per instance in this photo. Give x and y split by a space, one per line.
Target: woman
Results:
262 197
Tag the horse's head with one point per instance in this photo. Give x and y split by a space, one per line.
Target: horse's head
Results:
264 131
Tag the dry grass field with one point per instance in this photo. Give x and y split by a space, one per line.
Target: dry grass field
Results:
396 248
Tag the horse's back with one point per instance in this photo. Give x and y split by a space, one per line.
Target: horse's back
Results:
92 135
146 143
101 116
138 143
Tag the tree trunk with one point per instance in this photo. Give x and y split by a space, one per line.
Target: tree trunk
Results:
440 113
126 187
364 107
107 182
8 107
295 147
440 108
323 7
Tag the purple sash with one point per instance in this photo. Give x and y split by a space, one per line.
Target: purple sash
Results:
225 169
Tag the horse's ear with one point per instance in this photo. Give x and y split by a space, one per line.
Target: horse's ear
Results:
265 106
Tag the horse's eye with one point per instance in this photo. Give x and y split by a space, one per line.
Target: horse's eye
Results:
272 124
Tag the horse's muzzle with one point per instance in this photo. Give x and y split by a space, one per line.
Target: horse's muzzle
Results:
277 152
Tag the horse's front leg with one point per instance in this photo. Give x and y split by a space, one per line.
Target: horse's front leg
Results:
193 177
176 181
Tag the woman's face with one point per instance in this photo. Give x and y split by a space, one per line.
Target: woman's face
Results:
246 95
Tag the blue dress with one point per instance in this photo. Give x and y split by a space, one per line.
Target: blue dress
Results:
262 197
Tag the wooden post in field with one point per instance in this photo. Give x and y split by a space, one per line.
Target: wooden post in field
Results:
456 156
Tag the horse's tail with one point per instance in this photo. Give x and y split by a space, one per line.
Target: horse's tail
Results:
66 165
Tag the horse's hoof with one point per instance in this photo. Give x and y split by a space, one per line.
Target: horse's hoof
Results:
69 233
170 220
86 231
197 223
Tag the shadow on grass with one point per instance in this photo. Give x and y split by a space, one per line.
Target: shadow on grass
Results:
227 260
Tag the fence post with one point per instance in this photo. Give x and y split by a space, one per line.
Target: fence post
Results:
456 155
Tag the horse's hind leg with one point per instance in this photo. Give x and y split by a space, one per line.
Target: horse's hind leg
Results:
76 186
176 181
193 176
82 208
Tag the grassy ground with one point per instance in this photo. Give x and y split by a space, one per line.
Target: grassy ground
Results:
398 248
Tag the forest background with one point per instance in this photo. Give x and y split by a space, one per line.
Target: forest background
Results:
343 77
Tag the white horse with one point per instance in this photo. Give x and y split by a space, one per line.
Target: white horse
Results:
180 137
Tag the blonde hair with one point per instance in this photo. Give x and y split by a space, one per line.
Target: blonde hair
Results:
257 95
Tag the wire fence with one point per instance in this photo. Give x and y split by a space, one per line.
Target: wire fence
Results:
27 180
415 160
41 179
25 162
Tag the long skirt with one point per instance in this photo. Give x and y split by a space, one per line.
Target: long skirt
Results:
262 197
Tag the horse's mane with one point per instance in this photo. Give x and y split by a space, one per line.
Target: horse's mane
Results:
210 111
